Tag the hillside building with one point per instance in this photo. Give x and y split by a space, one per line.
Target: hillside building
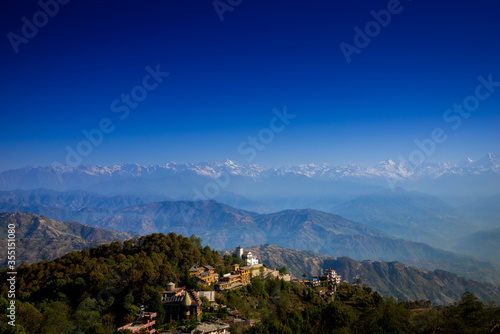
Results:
205 275
210 295
331 276
180 304
247 256
211 328
144 321
314 281
237 278
172 291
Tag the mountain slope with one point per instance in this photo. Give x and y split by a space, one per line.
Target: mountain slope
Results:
409 215
224 227
391 278
482 244
40 238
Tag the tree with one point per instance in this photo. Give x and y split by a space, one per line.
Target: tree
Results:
190 281
30 318
471 310
206 303
196 241
87 313
283 271
172 324
56 317
192 323
157 306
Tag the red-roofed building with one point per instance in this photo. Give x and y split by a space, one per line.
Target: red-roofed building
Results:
144 321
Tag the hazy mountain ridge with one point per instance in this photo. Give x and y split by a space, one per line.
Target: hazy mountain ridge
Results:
224 227
484 244
72 200
485 209
40 238
389 278
409 215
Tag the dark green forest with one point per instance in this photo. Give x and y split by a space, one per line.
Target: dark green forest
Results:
292 308
97 290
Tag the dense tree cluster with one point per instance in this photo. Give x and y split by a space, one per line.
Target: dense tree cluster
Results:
98 290
359 310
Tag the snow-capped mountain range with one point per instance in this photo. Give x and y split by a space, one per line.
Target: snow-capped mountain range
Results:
467 175
386 169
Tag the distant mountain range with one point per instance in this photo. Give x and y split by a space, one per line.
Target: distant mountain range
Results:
388 278
468 177
90 174
40 238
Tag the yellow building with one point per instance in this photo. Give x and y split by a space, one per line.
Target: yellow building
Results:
244 273
237 278
205 275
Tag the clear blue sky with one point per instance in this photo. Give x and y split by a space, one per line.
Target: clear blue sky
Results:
225 78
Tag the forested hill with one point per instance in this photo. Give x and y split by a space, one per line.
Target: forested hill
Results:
103 287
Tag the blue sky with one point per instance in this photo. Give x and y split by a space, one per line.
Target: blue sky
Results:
225 78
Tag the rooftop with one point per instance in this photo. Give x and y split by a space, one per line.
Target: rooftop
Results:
141 322
206 327
178 299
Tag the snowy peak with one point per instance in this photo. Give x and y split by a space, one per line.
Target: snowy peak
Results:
467 162
72 177
487 162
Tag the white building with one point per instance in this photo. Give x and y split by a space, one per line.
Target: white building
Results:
247 256
331 276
